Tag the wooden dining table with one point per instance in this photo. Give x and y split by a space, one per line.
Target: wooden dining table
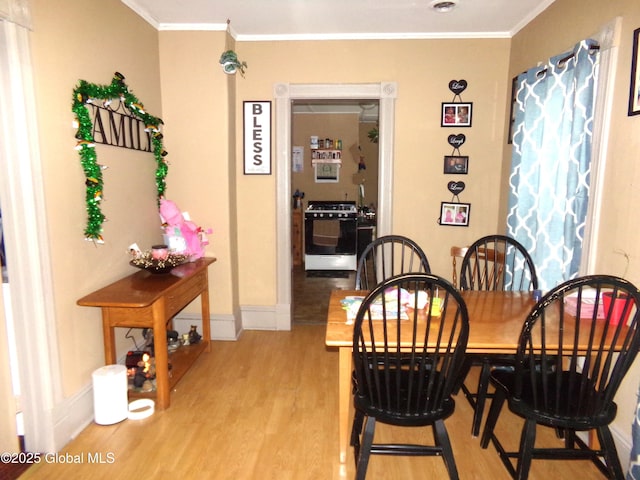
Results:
495 319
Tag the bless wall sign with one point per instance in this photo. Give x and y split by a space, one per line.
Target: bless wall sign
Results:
257 138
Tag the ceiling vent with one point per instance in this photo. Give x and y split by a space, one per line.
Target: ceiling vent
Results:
443 6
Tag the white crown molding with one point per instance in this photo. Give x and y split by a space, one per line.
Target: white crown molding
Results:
133 5
533 14
196 27
217 27
371 36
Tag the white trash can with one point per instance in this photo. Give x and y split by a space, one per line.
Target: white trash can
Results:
110 400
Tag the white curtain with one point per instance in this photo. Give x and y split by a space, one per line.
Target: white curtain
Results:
16 11
25 232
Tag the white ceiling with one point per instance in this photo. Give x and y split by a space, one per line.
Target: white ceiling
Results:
341 19
254 20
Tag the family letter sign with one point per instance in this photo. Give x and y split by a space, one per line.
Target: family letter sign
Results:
257 138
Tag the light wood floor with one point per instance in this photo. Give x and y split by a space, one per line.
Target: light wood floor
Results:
265 407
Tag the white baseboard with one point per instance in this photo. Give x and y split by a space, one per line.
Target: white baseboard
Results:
261 317
72 416
258 317
623 445
223 327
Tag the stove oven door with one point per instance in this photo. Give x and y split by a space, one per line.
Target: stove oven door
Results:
330 236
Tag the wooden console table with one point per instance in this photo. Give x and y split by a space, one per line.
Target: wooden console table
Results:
145 300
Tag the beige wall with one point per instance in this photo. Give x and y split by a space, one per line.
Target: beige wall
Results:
90 41
423 70
196 95
207 173
177 77
334 126
563 24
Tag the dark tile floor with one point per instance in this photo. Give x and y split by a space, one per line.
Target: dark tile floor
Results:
310 295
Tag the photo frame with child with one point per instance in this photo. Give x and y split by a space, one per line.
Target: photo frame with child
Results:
455 214
456 114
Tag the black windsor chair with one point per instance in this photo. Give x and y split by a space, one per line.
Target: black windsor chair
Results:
409 338
575 348
387 256
494 262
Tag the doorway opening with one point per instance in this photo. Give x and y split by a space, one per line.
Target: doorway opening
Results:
332 220
385 93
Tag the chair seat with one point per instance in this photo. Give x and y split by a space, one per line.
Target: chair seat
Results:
585 415
407 411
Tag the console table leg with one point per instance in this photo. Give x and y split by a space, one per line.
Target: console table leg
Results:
108 338
161 355
206 320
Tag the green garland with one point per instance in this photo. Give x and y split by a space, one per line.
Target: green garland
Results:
86 93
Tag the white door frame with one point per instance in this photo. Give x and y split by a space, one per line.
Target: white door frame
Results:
284 94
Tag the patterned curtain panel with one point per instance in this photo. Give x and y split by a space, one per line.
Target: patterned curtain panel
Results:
550 171
634 463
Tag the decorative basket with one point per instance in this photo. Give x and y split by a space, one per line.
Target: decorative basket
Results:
156 266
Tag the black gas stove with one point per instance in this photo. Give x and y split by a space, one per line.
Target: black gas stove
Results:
330 235
331 209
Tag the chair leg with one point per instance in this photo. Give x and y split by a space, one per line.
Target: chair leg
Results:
464 371
610 453
365 451
356 431
442 439
492 417
569 438
481 396
527 441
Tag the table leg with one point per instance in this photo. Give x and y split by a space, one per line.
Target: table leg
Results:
206 320
161 355
344 399
108 339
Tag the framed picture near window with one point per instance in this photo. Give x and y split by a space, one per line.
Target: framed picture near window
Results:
634 90
512 114
455 214
456 114
456 164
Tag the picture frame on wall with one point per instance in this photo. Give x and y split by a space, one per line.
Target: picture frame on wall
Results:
456 114
456 164
455 214
634 88
326 172
257 137
512 113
